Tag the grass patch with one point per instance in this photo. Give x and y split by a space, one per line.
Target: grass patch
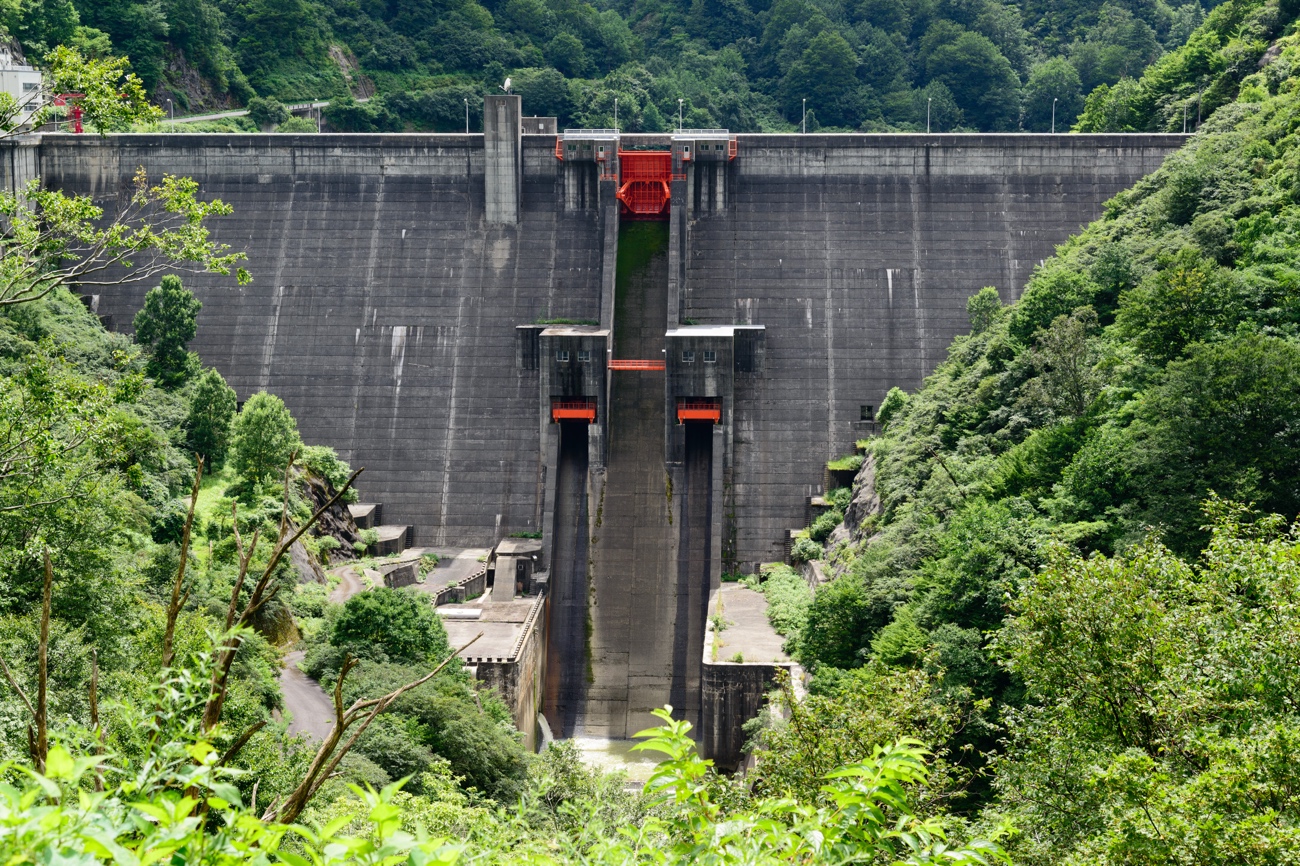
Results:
788 599
848 463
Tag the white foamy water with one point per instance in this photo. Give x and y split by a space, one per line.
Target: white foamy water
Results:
612 755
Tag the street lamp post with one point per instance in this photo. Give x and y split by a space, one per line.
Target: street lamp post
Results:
928 100
803 122
467 115
679 114
171 114
1054 115
616 114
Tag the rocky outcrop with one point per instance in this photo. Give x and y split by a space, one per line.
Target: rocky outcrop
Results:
336 521
865 502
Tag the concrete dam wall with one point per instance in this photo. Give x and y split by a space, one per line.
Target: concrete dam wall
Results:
384 305
477 321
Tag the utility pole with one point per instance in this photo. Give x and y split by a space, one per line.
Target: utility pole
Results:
1053 115
803 124
928 100
467 115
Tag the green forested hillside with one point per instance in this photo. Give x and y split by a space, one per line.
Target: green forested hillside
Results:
1081 534
742 64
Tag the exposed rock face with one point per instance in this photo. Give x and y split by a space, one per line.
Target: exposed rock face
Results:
337 521
865 501
309 570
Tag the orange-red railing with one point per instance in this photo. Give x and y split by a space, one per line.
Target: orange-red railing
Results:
699 410
626 364
574 410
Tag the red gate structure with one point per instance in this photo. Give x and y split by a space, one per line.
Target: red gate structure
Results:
644 189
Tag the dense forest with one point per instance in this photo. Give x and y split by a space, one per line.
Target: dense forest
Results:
872 65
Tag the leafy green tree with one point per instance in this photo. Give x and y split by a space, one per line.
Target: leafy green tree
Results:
1224 420
212 410
981 81
1052 84
1158 695
267 111
263 437
55 239
983 309
841 620
400 624
826 75
567 53
166 324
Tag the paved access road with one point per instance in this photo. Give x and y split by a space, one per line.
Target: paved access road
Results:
311 710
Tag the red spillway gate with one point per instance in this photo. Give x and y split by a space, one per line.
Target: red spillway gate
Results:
644 187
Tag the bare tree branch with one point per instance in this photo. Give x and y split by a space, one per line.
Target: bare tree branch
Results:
42 741
19 689
174 607
331 752
257 599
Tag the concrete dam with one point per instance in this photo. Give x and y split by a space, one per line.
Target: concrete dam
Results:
643 347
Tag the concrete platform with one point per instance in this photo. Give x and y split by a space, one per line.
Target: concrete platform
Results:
365 514
392 539
500 622
744 611
454 565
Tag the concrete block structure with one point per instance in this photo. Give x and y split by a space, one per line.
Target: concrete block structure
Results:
643 347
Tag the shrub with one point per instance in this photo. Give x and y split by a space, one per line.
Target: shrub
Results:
849 463
805 550
402 625
825 524
840 497
297 124
268 111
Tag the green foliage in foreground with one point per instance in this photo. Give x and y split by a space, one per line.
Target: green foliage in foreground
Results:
176 803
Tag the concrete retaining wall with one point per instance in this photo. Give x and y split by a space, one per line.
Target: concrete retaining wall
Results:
521 679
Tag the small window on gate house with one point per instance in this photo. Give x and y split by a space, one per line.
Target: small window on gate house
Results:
584 355
688 357
562 355
710 356
867 413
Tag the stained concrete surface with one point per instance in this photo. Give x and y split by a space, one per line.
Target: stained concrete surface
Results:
567 662
634 610
384 305
747 631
